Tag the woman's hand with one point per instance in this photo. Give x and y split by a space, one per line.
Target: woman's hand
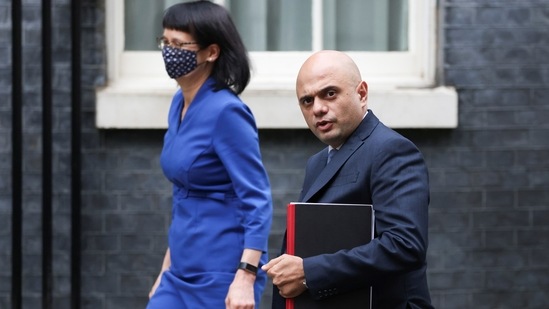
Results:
156 284
165 266
241 291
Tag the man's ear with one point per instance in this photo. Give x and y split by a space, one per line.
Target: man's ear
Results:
362 91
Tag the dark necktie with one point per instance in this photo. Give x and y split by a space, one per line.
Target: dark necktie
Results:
331 154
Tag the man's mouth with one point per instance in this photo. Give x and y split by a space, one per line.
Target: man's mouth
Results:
324 125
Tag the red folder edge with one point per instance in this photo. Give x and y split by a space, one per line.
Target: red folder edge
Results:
290 242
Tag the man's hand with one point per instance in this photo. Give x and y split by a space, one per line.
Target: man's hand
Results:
287 274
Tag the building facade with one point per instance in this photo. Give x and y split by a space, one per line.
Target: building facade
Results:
489 212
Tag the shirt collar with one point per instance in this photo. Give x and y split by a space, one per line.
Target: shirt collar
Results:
337 148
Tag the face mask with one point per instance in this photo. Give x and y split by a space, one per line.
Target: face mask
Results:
179 62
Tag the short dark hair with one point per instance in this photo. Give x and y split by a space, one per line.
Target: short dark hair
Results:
210 23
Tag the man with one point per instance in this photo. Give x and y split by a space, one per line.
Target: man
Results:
373 165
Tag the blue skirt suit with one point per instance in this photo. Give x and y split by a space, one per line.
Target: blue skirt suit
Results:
221 199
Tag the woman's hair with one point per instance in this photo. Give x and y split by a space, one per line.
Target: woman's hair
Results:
210 23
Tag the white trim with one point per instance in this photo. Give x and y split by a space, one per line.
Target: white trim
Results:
139 91
135 108
114 37
318 24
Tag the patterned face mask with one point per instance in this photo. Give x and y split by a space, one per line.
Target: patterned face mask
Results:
179 62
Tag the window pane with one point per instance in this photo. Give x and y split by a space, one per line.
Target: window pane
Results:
249 17
143 22
286 25
398 25
273 25
365 25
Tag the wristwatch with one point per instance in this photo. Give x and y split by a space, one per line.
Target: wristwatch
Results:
248 267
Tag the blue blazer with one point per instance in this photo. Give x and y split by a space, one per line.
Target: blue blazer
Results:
377 166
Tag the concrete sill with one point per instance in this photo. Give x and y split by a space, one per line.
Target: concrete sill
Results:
133 105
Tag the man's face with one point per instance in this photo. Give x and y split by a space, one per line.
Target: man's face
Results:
332 103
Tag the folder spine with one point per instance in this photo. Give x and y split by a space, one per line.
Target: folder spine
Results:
290 229
290 241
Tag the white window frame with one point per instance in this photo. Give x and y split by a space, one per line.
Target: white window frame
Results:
402 84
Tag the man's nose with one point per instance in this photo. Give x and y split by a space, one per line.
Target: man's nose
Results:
320 107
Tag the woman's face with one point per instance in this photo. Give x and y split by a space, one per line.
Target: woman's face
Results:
181 64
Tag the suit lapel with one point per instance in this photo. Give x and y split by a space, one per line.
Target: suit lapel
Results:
316 166
321 173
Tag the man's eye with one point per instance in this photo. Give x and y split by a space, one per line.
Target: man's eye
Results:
330 93
306 101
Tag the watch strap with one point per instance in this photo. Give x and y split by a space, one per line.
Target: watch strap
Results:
248 267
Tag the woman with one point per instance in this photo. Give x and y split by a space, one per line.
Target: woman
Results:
222 204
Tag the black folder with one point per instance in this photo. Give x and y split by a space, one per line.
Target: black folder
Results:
316 228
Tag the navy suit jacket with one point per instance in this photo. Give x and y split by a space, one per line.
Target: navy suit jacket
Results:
377 166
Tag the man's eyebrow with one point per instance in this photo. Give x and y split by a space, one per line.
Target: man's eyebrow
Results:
304 97
324 90
319 92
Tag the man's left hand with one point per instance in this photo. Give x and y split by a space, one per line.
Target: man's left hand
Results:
287 274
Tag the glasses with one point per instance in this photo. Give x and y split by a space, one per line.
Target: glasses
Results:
163 42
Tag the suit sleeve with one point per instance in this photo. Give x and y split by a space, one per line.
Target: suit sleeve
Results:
237 144
399 189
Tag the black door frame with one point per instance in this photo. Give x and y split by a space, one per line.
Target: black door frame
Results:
17 139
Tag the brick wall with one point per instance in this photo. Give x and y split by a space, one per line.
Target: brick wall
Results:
490 178
489 211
